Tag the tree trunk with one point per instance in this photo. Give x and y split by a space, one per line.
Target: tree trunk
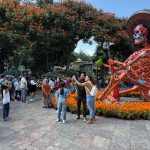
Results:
47 61
69 49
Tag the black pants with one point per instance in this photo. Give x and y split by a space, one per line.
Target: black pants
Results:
6 110
17 93
2 90
79 100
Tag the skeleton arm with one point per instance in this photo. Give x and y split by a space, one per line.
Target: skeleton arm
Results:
118 63
121 64
142 54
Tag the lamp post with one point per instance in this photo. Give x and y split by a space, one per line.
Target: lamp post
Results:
98 53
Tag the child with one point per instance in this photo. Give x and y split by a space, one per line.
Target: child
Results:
6 101
62 95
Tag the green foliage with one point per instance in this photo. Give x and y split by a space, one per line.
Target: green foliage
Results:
83 56
50 33
99 62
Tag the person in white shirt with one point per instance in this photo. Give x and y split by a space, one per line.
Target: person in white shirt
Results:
6 102
23 87
17 89
51 83
33 88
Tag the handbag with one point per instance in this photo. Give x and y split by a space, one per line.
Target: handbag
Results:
93 91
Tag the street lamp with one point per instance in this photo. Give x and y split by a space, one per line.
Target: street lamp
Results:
108 47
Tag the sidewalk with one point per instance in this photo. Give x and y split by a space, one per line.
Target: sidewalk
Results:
32 127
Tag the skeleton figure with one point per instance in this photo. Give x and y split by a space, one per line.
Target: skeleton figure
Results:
136 69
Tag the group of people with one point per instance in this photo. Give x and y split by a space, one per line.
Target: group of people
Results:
15 88
62 88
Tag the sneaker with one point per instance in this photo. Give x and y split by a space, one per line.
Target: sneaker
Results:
44 106
84 119
57 120
78 118
31 100
90 121
64 121
5 119
94 119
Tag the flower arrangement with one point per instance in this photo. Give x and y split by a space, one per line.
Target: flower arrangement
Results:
128 110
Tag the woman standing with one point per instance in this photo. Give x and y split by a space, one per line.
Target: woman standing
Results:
56 87
46 90
17 90
62 95
90 99
33 88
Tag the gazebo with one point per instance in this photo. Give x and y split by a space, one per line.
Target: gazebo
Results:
76 64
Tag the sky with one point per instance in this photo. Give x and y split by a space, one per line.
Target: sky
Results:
121 8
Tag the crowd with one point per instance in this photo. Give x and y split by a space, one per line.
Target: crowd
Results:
16 88
61 87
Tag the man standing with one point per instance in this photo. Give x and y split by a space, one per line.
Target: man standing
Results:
81 97
23 87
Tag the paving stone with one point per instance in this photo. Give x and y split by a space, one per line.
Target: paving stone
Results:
9 148
74 147
140 147
84 140
120 146
101 142
62 143
53 148
33 128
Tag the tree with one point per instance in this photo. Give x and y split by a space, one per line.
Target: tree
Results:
42 37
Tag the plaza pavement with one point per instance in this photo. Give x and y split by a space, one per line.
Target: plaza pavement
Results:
32 127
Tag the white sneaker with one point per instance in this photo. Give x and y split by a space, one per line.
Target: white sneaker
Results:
84 119
31 100
57 120
64 121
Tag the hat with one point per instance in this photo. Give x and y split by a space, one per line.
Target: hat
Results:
139 17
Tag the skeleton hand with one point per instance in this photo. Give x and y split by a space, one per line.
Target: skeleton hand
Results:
110 62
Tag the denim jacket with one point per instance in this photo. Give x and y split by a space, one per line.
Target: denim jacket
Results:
63 97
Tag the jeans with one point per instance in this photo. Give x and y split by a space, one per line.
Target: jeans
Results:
62 108
90 102
23 94
6 110
56 98
79 100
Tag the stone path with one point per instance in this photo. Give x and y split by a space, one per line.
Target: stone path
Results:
32 127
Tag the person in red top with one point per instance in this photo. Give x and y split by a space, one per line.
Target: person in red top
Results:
46 90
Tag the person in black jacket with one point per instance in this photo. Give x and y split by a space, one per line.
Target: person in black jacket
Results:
81 97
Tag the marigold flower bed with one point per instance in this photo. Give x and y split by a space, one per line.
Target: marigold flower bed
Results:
128 110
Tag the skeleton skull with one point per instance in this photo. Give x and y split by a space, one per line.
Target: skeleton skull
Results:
140 34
